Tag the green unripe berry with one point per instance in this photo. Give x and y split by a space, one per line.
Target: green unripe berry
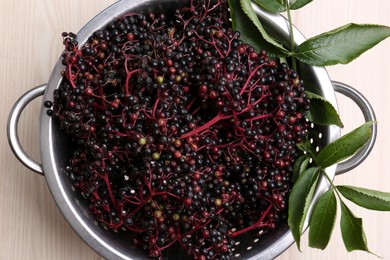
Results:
156 156
160 79
142 141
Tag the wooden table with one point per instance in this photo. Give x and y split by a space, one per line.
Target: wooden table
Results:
31 226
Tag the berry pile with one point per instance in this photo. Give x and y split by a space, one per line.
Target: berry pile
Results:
183 134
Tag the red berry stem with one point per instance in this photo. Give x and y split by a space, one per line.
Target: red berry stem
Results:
258 224
129 74
251 75
207 125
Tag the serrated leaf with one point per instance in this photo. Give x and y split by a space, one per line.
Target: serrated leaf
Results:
246 6
352 230
296 4
322 220
245 20
369 199
300 165
341 45
248 31
299 201
321 111
345 146
273 6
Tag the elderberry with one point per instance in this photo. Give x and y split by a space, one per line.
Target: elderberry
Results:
181 132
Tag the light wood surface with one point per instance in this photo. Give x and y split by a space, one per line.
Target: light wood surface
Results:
31 226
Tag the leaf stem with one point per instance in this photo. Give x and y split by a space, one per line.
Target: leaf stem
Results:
328 179
292 41
334 188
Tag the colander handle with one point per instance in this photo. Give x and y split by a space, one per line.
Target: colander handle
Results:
348 91
12 128
369 115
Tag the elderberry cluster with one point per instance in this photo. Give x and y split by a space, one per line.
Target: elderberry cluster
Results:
183 134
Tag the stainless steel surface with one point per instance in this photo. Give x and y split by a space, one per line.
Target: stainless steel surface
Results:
56 150
369 115
12 128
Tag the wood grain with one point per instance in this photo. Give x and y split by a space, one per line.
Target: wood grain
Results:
31 226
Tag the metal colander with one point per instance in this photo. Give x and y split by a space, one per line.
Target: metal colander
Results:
55 150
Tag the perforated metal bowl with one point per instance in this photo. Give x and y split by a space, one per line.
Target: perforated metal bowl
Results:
55 149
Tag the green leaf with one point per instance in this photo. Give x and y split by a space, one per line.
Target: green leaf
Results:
322 220
273 6
300 165
352 230
305 145
341 45
345 146
246 6
370 199
296 4
248 31
322 111
245 20
299 201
